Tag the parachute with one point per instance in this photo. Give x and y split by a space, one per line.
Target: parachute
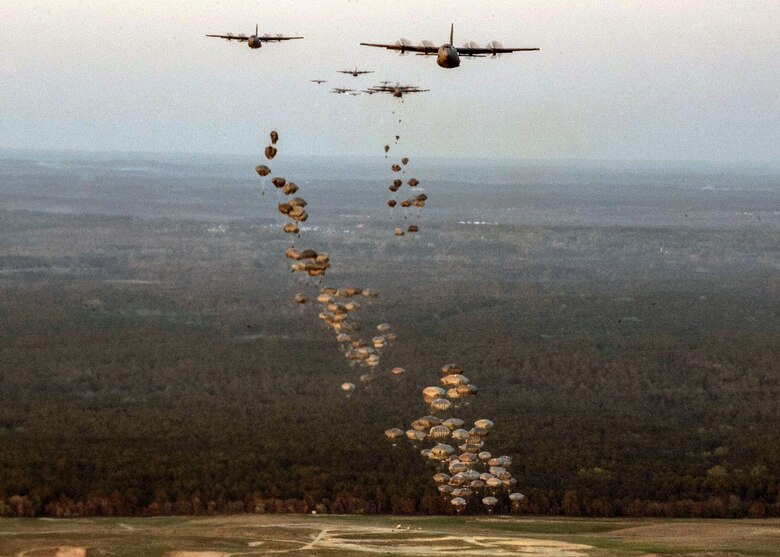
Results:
440 405
453 423
483 424
433 393
516 497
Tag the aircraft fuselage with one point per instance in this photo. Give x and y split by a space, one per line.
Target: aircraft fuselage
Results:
448 57
254 42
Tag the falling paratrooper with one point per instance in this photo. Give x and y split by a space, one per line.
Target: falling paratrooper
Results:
348 388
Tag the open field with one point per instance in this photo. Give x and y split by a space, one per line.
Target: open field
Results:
386 535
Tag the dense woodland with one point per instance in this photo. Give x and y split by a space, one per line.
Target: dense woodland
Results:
154 367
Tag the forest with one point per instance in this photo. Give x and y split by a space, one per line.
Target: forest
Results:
157 366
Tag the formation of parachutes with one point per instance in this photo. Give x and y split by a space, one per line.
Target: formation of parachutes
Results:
293 209
465 470
415 201
339 307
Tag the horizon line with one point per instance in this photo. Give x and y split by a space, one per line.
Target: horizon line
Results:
756 164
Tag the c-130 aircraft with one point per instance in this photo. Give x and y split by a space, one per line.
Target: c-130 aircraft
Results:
256 40
448 55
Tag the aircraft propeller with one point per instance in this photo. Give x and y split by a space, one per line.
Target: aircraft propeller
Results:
493 45
402 42
429 45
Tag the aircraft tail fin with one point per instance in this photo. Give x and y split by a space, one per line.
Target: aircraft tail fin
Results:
257 28
452 32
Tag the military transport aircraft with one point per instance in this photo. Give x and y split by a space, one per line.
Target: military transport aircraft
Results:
256 40
447 55
396 90
356 72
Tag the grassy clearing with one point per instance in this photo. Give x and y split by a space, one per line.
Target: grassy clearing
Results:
325 535
556 527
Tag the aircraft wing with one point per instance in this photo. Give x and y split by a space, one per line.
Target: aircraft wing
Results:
405 48
276 38
230 37
466 51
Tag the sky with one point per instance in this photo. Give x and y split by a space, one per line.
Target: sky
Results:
657 80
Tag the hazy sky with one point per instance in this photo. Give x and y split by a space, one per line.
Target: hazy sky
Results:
662 80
